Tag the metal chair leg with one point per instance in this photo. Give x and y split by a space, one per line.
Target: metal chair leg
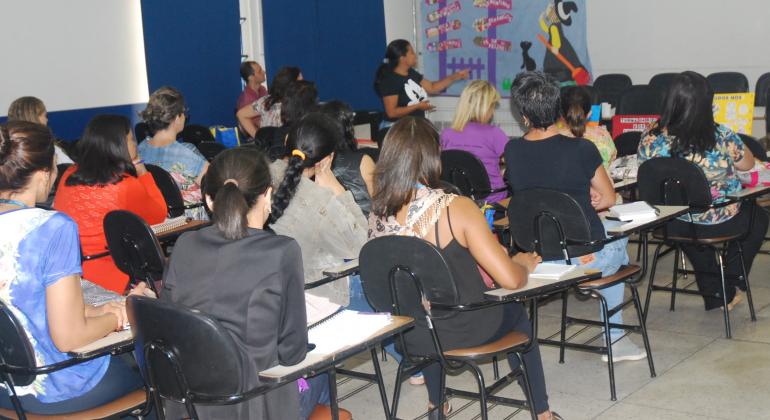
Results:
397 389
677 252
380 382
608 341
746 279
725 311
651 281
495 368
563 337
683 260
482 390
643 326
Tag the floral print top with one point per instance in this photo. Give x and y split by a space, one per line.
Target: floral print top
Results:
38 248
717 164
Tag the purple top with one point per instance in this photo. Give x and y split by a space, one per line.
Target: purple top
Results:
487 143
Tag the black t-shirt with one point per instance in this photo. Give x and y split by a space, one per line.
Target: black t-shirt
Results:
558 163
406 87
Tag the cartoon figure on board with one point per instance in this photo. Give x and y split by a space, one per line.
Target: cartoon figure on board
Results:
561 60
527 62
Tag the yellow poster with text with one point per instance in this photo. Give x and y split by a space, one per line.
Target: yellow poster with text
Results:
735 110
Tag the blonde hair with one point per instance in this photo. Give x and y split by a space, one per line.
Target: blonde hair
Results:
475 102
26 108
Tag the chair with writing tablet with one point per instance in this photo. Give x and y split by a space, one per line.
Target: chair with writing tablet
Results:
662 81
728 82
554 225
170 191
134 248
210 149
761 89
19 368
640 100
627 143
610 86
409 276
465 171
196 134
677 181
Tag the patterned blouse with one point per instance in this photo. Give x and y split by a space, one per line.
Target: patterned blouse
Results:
717 164
268 117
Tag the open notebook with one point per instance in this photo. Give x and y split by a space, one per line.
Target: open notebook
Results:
346 328
169 224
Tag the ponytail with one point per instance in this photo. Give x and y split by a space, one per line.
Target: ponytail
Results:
396 49
576 120
575 106
231 209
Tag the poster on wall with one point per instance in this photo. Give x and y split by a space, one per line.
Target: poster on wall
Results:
497 39
735 110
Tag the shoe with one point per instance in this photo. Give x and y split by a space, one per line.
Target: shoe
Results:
417 379
625 349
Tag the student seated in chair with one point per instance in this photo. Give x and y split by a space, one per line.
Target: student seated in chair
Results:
40 282
249 279
267 109
545 158
687 129
408 201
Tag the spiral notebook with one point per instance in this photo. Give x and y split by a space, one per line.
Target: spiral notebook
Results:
344 329
169 224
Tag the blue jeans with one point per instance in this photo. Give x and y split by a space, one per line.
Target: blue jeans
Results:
359 303
608 261
317 394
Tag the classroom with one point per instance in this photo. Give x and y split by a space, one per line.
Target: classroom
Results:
385 209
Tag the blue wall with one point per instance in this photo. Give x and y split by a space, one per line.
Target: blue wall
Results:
338 44
195 46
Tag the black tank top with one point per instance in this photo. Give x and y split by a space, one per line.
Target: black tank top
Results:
347 169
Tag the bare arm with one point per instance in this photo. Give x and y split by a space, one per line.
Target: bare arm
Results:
367 173
747 162
245 117
438 87
199 179
393 111
602 184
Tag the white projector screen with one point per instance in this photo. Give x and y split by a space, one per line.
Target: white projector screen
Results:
73 54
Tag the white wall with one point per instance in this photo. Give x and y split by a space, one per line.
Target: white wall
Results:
646 37
73 54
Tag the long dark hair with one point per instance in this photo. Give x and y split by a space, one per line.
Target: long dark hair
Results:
103 152
396 49
25 148
279 84
575 106
301 96
234 181
315 136
687 115
410 155
343 115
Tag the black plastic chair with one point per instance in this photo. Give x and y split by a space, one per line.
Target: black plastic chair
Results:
628 143
728 82
196 134
554 225
679 182
170 190
610 86
467 173
662 81
372 118
404 276
210 149
759 151
188 357
18 367
761 90
134 248
640 100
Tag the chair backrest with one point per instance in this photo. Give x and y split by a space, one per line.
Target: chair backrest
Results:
397 270
761 90
372 152
172 339
169 189
640 100
662 81
196 134
540 219
372 118
610 86
759 151
728 82
210 149
15 348
628 143
673 181
466 172
133 246
141 131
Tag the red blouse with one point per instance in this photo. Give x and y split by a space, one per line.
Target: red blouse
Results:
88 205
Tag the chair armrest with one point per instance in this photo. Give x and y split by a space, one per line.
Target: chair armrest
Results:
602 242
467 306
94 256
325 280
192 206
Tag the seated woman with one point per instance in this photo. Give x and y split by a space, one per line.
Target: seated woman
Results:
249 279
268 108
165 117
40 283
575 111
311 206
300 98
687 129
352 168
544 158
32 109
109 177
408 201
472 132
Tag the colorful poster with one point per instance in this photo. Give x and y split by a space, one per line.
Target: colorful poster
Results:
497 39
735 110
625 123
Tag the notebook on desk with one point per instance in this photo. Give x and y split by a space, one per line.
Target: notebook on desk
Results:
551 271
346 328
169 224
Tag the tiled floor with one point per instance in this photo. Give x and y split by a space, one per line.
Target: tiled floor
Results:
700 374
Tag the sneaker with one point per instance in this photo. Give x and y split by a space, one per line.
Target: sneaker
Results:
625 349
417 379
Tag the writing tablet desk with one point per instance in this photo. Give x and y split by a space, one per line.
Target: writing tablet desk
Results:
114 343
173 234
749 193
315 363
624 184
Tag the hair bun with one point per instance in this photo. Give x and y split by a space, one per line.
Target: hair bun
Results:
6 144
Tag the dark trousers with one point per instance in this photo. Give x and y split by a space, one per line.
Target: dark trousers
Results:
120 379
515 319
704 260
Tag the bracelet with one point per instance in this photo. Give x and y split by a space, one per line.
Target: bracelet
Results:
138 162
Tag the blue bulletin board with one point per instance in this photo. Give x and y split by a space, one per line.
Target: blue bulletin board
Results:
497 39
